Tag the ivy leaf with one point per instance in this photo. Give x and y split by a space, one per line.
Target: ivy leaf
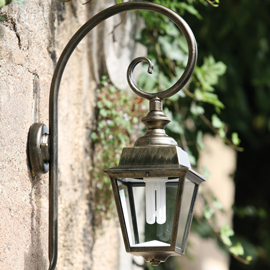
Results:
175 127
192 159
199 139
165 81
249 258
235 139
171 29
174 98
19 2
99 104
94 136
206 172
103 112
225 233
190 9
168 113
2 3
221 133
237 249
183 44
218 204
195 109
208 97
216 122
108 103
112 89
119 1
171 48
208 212
209 73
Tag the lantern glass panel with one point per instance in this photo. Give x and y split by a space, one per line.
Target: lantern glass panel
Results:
186 212
133 203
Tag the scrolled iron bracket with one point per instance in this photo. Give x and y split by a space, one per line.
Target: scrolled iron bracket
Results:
50 150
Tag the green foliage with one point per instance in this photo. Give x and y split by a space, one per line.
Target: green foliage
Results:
217 204
242 41
205 78
250 211
167 48
235 138
7 2
117 120
219 125
225 233
19 2
4 3
206 173
239 250
206 226
208 212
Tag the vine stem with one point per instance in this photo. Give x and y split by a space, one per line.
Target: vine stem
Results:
188 93
226 140
217 232
211 3
121 22
162 61
208 123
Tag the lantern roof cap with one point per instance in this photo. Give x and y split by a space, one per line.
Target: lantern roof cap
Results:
154 160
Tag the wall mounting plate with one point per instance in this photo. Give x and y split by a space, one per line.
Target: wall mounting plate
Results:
38 145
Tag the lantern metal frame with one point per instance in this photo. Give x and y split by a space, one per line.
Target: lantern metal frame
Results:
43 145
156 161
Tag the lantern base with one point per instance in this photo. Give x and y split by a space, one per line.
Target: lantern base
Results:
156 257
155 262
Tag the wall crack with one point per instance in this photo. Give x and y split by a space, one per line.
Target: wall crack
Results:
30 71
14 28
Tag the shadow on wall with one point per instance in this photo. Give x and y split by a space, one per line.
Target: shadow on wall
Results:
35 258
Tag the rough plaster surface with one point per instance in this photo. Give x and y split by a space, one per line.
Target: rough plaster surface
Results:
76 101
220 160
31 40
25 71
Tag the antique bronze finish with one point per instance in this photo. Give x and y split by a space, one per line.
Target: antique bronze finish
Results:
155 121
159 161
38 149
43 152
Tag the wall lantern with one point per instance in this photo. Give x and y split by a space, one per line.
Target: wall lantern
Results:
154 186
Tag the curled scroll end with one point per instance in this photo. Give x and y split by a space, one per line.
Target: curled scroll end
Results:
138 60
130 79
150 67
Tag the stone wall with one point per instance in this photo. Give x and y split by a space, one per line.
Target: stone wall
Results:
26 43
31 41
